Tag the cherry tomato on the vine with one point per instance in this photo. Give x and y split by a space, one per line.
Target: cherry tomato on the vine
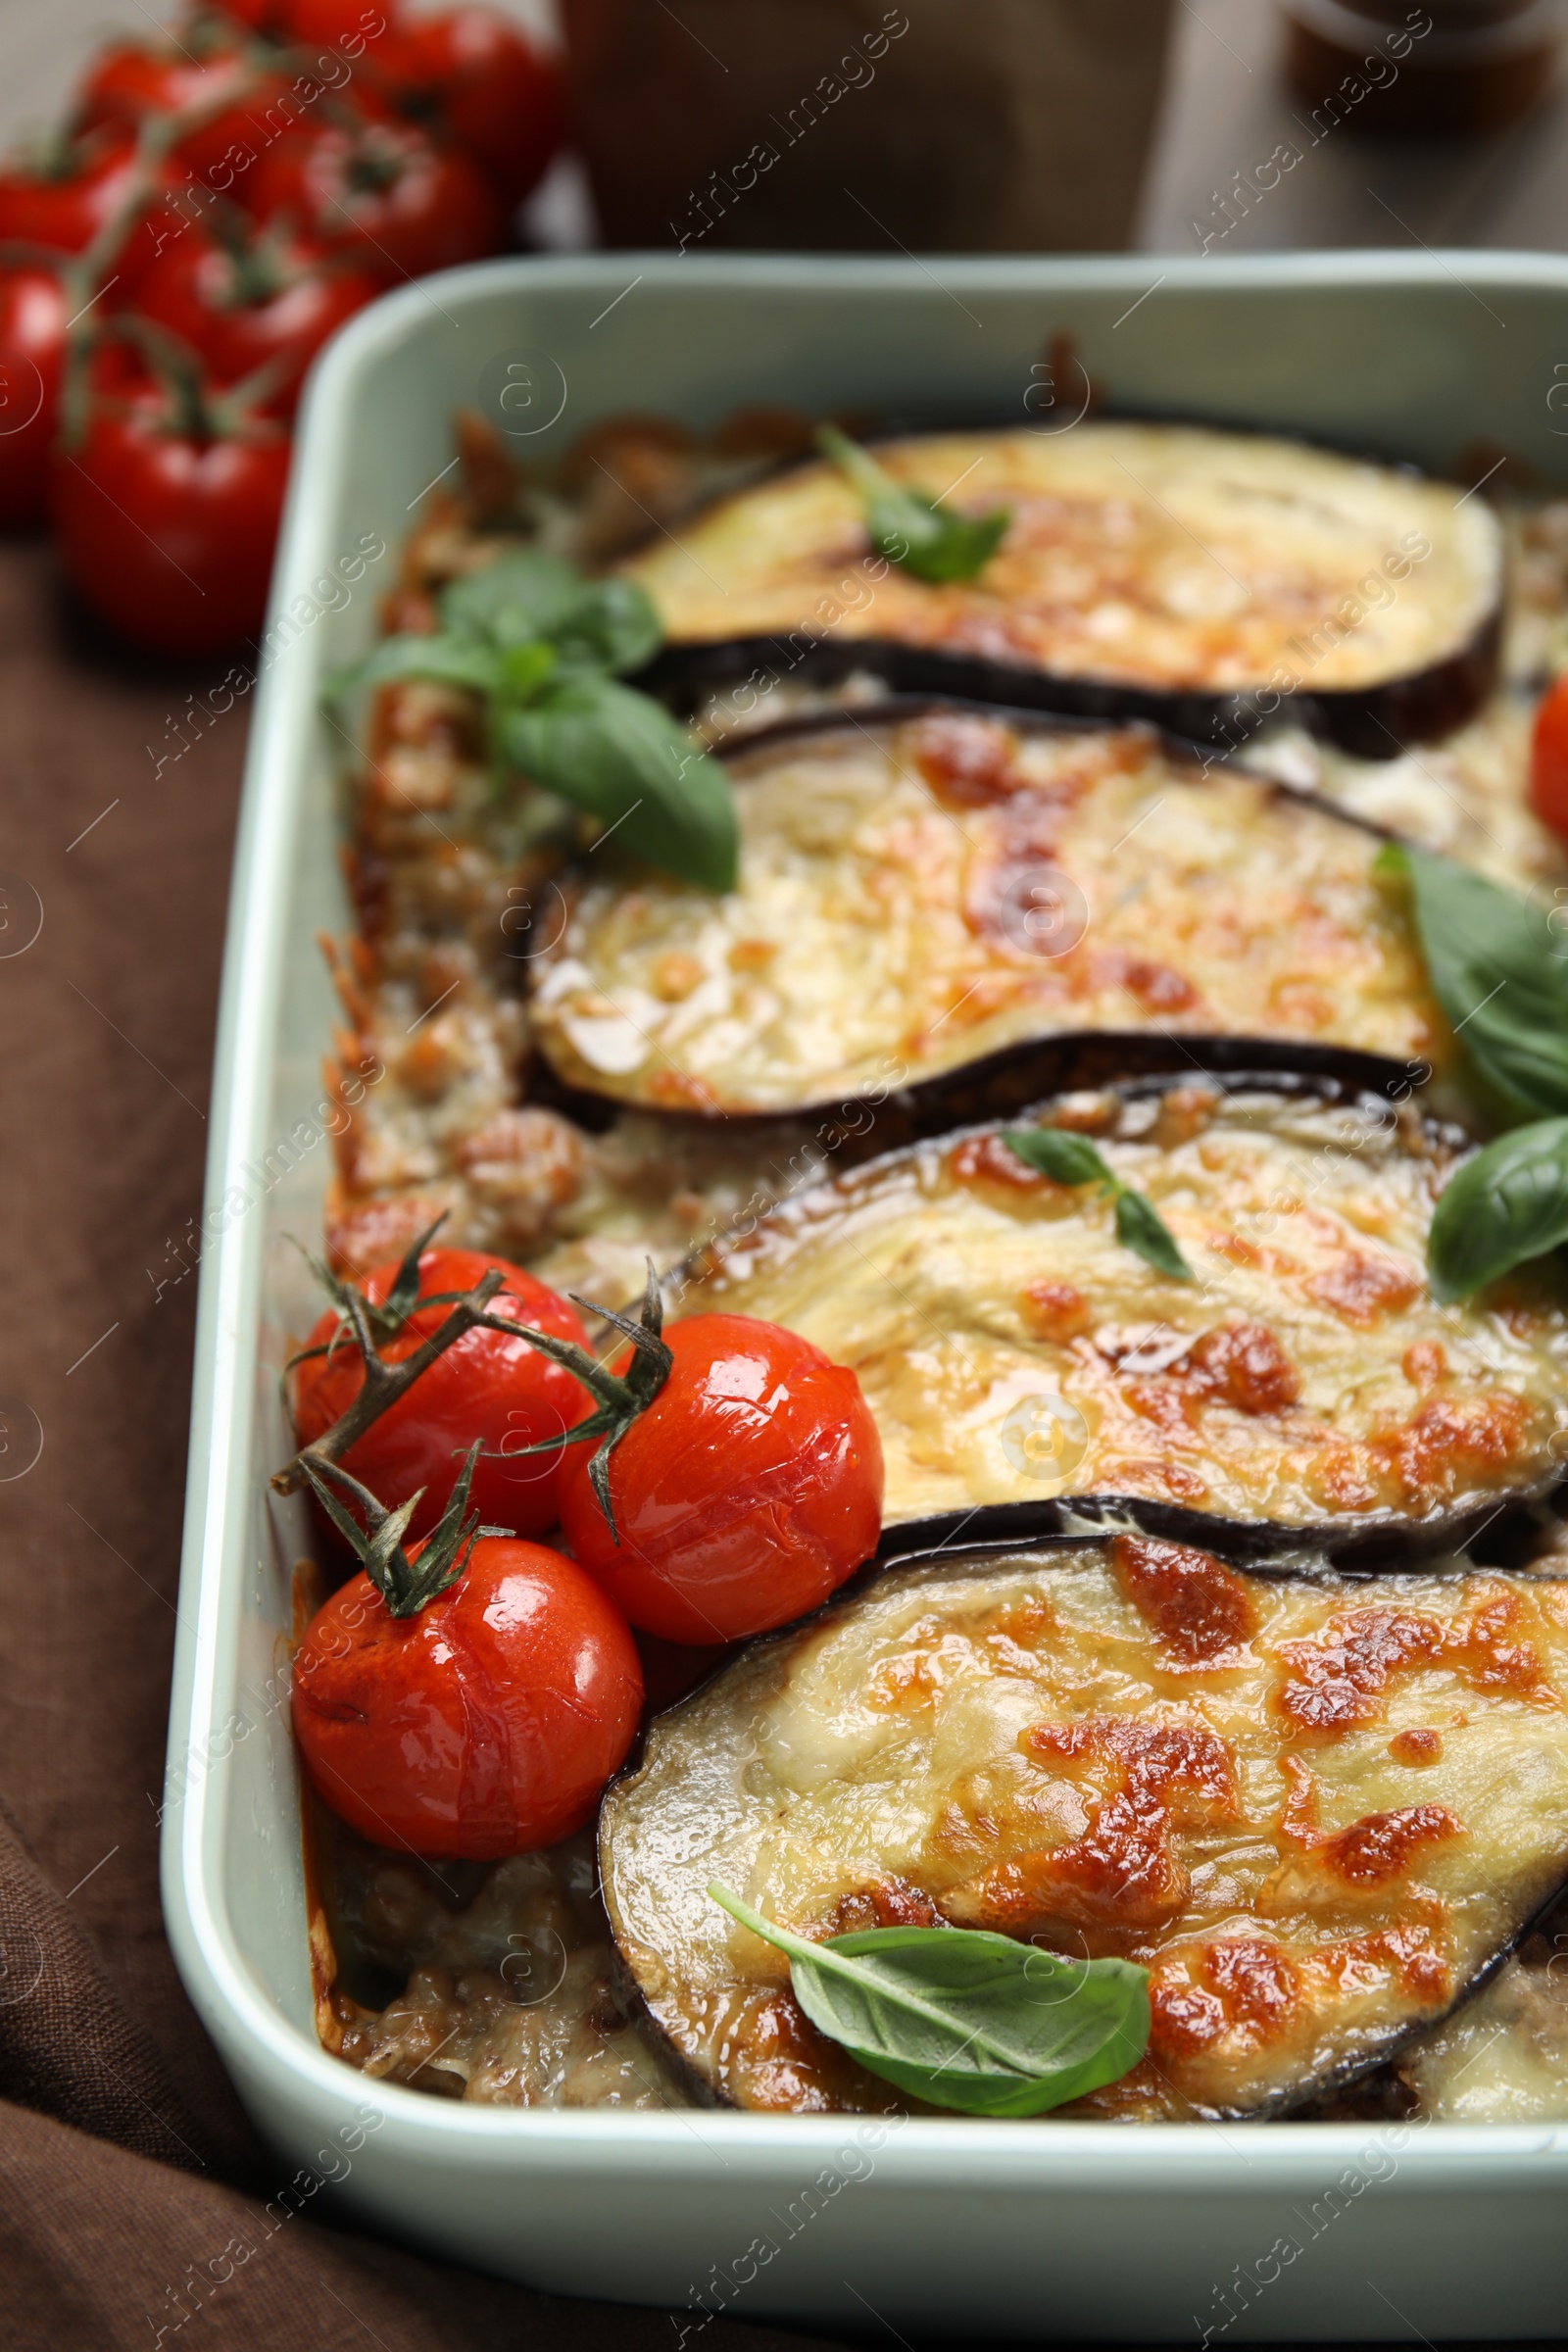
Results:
744 1494
484 1725
334 20
32 341
166 513
64 195
496 93
303 21
1548 759
383 192
252 299
241 101
497 1390
132 78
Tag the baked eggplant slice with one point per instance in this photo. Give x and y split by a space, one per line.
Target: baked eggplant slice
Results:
1151 571
1320 1811
1026 1367
923 889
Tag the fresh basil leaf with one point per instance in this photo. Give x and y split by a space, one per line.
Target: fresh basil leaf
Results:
1497 971
1069 1158
622 758
525 593
531 594
1509 1204
909 529
526 669
964 2019
1141 1227
454 661
1053 1152
613 626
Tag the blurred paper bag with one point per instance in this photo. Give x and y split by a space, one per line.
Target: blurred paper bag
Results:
1008 126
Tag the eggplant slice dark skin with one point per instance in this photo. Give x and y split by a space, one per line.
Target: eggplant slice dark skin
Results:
1320 1811
1169 573
1029 1372
931 897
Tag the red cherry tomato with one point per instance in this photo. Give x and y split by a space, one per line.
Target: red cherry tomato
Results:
165 523
1548 759
496 92
32 341
383 192
304 20
269 297
483 1726
744 1494
63 199
335 22
256 105
488 1387
131 80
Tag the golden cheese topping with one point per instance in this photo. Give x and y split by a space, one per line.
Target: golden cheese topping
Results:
913 896
1154 556
1314 1809
1012 1350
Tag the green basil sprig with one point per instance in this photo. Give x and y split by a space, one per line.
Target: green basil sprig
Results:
1509 1204
1495 969
911 530
964 2019
545 647
1069 1158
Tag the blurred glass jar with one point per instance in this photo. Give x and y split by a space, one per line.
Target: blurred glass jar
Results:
1458 66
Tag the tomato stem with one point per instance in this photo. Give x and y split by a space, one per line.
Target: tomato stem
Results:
620 1397
405 1585
385 1382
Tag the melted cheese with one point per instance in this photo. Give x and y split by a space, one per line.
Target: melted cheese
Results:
1314 1809
1156 557
1503 2058
1012 1350
911 899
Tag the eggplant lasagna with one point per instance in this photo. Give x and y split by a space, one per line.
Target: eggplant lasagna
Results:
1221 1618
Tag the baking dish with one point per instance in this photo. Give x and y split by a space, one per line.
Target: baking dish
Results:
1290 2230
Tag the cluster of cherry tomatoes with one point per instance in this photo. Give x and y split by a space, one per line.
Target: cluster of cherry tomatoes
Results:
219 202
487 1722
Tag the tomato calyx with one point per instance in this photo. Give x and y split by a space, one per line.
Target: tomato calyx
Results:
261 262
405 1585
620 1397
387 1316
383 1383
193 408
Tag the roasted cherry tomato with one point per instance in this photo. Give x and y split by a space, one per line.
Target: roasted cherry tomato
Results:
256 298
64 196
1548 759
483 1725
383 192
743 1494
496 93
487 1386
168 511
32 340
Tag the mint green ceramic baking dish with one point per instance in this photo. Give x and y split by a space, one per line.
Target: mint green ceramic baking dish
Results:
1037 2229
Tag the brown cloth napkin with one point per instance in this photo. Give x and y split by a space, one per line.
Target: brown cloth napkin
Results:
131 2185
1016 126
